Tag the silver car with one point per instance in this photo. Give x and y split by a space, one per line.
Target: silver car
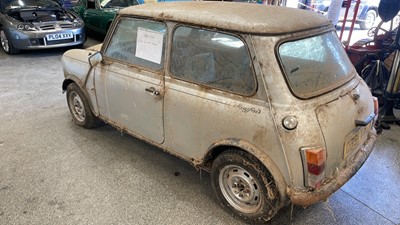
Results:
265 98
31 24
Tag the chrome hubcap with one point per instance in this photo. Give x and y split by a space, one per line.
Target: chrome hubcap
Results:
240 189
4 41
77 107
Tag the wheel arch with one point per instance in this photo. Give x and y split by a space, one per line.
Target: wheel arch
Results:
71 79
219 147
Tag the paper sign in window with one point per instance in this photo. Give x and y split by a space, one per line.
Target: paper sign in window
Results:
149 45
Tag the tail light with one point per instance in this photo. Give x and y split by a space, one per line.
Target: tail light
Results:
376 106
314 160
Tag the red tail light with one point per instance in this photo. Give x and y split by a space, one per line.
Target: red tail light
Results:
314 159
376 106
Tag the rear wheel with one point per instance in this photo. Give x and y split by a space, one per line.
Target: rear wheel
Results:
369 21
6 43
245 187
79 107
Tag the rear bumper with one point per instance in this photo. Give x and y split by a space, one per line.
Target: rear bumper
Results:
309 197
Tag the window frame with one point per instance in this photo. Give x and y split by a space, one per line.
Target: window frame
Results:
253 72
110 36
287 80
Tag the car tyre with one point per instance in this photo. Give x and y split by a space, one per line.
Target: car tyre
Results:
369 21
6 44
79 107
245 187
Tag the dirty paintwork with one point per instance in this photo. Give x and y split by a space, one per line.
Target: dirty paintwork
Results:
252 18
197 120
306 198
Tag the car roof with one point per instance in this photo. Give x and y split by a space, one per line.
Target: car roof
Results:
241 17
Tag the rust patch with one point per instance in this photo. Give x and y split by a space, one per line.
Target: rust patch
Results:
361 110
259 135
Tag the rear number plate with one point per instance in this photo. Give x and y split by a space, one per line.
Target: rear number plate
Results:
62 36
355 138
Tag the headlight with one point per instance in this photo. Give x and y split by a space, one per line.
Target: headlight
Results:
26 27
77 23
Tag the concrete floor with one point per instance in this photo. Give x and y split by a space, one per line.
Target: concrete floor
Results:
54 172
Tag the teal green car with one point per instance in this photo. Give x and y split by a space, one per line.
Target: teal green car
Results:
98 14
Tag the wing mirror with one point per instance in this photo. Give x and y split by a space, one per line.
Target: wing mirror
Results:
95 58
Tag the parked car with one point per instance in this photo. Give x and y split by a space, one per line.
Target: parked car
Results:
366 16
30 24
269 104
98 14
66 4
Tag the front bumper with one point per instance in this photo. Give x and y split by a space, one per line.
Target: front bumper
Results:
37 40
309 197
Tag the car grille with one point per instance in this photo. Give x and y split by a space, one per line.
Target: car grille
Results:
47 27
53 26
66 25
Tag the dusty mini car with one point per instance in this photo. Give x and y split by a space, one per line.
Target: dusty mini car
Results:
31 24
264 98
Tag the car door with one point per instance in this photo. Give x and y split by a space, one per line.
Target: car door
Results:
129 84
93 15
211 93
80 8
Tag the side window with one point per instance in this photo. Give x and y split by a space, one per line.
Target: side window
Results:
115 3
91 4
139 42
212 59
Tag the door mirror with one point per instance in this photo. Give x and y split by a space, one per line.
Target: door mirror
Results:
95 58
388 9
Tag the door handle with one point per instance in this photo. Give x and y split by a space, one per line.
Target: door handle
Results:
153 91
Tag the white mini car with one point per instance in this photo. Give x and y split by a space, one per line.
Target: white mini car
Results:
263 97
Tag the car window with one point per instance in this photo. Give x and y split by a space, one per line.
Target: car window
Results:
308 64
91 4
139 42
212 59
118 3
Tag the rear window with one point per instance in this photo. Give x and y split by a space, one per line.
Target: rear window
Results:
315 65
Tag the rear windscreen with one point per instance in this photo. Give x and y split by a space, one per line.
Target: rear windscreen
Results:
315 65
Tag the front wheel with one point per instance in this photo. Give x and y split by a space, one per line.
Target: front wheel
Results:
6 43
369 21
245 187
79 107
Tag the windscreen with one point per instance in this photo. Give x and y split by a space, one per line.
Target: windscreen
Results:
315 65
118 3
16 4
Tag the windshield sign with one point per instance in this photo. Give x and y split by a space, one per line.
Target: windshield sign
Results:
315 65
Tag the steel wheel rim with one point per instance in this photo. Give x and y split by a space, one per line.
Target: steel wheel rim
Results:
370 20
4 41
77 107
240 189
